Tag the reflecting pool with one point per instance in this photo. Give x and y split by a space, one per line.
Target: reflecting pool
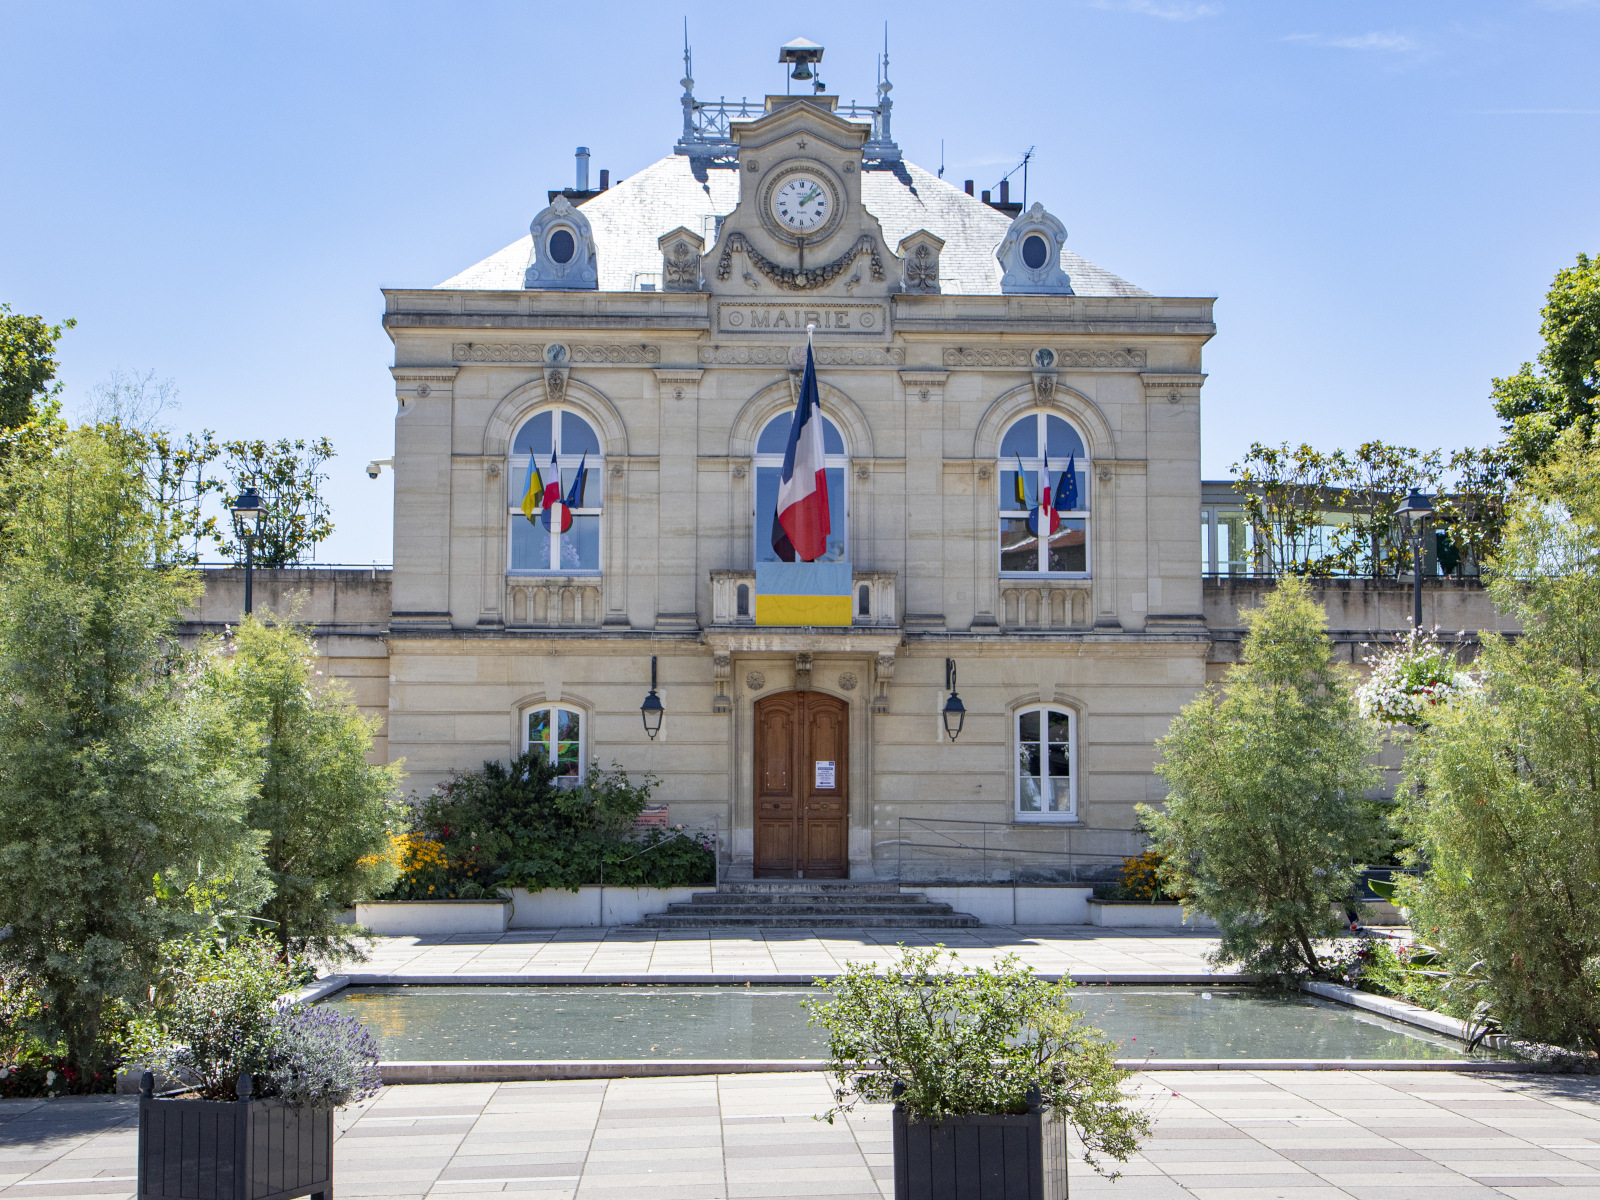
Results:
561 1023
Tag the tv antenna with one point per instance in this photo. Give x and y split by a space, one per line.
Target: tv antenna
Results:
1023 167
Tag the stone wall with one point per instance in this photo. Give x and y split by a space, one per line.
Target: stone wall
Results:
348 608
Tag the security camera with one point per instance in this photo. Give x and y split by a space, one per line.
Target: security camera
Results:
377 465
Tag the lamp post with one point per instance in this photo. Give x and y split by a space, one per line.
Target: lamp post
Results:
247 511
1417 509
955 712
652 710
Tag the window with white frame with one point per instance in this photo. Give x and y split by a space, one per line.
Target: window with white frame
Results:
555 733
770 448
556 455
1044 498
1046 754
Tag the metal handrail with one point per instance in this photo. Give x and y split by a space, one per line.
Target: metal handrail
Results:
973 845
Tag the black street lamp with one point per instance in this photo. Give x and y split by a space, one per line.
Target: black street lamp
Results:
955 712
652 710
247 510
1416 510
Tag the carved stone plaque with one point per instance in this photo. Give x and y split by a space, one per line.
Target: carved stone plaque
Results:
767 317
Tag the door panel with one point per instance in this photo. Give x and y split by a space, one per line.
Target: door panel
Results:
802 786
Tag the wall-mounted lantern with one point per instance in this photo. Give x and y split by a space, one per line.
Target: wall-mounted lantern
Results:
652 710
955 712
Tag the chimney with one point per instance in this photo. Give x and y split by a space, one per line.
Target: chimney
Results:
969 187
583 169
1005 191
986 197
605 179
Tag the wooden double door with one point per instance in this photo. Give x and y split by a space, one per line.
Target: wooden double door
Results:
802 802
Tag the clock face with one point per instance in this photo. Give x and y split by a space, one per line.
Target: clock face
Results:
802 204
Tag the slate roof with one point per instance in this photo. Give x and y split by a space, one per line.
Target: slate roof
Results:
628 219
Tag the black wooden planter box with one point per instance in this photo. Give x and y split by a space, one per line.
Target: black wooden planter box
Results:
239 1150
980 1158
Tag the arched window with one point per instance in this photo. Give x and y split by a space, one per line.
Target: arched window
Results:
770 447
1042 457
555 732
1047 745
567 539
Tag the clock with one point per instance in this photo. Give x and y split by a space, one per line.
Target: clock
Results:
803 204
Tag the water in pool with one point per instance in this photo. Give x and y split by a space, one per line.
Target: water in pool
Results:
557 1023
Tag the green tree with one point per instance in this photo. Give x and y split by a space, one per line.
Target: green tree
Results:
107 796
1266 825
1505 811
1537 404
27 365
287 475
324 808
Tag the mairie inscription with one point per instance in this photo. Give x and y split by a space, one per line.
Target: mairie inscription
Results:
775 316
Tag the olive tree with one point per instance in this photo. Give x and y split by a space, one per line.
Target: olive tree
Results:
324 808
1267 823
110 803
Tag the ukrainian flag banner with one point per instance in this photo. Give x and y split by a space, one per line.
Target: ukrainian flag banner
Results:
801 593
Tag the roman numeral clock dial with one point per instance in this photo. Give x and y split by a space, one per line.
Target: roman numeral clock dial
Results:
802 204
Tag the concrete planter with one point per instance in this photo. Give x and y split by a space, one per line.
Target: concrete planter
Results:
979 1158
1135 914
1015 905
240 1150
434 918
555 908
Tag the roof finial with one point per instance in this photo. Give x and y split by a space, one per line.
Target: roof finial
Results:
688 85
884 88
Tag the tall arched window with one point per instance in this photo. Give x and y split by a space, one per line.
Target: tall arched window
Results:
1044 458
770 447
567 539
555 733
1047 745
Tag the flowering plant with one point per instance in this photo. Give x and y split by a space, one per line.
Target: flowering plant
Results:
1408 681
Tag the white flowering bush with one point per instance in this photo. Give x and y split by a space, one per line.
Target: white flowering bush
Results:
1412 679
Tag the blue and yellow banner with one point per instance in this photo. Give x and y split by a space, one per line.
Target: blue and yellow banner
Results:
803 593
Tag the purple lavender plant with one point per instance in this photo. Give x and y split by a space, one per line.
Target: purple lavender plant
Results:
321 1059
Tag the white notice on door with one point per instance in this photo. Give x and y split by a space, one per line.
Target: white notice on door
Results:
824 776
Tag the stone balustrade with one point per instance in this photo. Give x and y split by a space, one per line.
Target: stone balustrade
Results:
553 601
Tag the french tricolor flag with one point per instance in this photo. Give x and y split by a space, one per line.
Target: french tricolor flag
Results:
800 526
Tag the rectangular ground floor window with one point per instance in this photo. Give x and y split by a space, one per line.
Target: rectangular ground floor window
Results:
1046 789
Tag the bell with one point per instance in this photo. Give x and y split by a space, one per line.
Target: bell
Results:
802 70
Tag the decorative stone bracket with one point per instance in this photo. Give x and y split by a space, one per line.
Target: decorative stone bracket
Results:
721 672
883 674
802 671
1173 388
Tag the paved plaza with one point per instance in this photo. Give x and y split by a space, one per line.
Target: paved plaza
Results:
1240 1135
1087 952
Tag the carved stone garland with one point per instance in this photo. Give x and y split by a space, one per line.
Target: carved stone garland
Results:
793 278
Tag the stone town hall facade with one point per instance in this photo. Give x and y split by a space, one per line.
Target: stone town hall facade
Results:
654 331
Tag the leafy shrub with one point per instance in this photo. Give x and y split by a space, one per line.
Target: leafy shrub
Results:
32 1066
1266 825
511 825
944 1039
214 1012
321 1059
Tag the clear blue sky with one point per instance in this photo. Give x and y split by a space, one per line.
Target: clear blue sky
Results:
1377 193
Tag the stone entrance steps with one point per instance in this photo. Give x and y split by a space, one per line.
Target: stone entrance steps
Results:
809 904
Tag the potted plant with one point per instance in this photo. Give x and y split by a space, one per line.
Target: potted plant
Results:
257 1080
986 1068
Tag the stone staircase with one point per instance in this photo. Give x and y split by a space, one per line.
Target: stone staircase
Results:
809 904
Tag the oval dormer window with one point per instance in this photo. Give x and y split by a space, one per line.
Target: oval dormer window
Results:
1034 251
561 246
